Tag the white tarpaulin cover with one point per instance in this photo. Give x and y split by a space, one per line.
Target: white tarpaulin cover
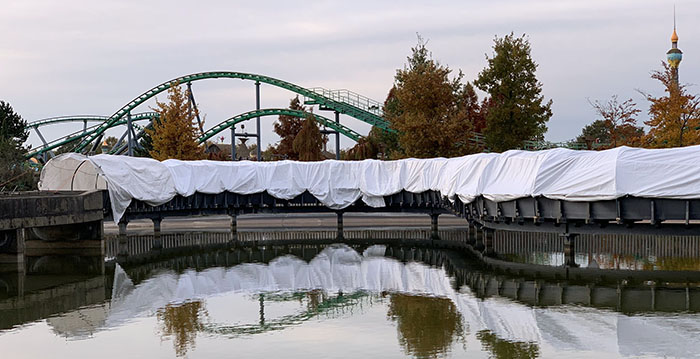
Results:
556 173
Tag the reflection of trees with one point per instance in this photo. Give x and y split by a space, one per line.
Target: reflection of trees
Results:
500 348
182 321
427 326
678 263
314 299
319 303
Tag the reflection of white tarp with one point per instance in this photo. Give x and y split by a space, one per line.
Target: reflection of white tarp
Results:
339 268
556 173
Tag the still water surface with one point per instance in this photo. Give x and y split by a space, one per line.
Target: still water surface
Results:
340 304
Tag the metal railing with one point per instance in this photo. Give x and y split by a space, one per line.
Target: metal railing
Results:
351 98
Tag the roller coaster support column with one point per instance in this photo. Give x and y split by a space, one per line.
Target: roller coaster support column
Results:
434 226
123 241
129 139
233 143
340 236
337 137
569 249
193 104
49 154
84 126
257 120
488 241
157 243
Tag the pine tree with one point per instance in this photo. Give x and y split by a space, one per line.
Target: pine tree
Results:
308 143
175 134
14 173
517 112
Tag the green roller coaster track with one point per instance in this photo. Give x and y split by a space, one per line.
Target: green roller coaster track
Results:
54 120
82 133
343 130
369 115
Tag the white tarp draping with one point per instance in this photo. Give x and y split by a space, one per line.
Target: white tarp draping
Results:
557 174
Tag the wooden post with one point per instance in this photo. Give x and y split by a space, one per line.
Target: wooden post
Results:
569 250
340 235
157 243
479 243
234 226
488 241
434 226
471 234
123 239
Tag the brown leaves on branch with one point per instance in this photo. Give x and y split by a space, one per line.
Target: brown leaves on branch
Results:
619 121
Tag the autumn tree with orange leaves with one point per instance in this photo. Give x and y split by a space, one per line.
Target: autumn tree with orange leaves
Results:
175 134
675 117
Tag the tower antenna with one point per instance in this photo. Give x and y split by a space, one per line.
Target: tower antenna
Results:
674 17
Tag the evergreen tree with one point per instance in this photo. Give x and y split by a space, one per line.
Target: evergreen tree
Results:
517 111
431 112
14 172
308 143
287 127
675 117
13 128
176 134
596 132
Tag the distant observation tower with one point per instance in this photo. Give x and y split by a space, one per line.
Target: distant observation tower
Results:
674 55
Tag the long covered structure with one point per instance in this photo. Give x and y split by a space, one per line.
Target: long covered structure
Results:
556 174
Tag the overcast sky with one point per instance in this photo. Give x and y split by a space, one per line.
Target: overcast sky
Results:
92 57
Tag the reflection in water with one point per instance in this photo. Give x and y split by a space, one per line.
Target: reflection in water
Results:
607 251
432 300
318 305
182 322
427 325
503 349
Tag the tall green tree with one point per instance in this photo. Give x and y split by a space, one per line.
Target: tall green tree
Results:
518 111
175 135
431 111
287 127
14 172
308 143
12 126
